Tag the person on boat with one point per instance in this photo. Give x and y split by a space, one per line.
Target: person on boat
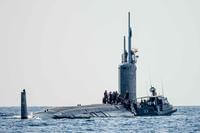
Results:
126 95
128 104
153 91
105 97
116 96
119 99
160 104
110 98
135 106
113 97
141 101
104 100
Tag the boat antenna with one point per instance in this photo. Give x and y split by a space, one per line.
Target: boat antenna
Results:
147 91
150 77
162 87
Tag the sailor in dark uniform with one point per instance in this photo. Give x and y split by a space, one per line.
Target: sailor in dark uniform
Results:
116 97
126 102
153 91
110 98
126 95
105 98
119 99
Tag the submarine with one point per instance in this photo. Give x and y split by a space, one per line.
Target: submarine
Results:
121 103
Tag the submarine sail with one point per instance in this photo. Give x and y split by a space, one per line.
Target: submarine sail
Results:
127 69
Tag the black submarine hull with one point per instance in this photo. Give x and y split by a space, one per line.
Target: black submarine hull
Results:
86 111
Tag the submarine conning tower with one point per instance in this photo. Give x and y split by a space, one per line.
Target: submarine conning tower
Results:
127 68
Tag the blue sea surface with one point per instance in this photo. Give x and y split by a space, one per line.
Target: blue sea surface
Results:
185 120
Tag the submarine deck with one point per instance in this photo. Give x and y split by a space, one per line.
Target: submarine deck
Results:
84 111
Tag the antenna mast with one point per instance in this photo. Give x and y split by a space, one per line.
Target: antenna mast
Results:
124 44
162 88
129 40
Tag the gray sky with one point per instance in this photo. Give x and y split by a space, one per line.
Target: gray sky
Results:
67 52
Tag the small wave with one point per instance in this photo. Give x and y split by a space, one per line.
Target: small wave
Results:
38 124
88 120
16 116
6 114
3 114
90 129
12 117
19 116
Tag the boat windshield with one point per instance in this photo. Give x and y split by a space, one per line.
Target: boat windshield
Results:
152 100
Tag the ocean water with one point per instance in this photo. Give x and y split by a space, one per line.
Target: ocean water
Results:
185 120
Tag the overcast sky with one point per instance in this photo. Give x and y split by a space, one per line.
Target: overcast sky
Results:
68 52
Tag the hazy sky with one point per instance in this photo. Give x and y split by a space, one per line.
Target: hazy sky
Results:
67 52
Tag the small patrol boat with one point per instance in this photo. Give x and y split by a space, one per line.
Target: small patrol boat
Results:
154 105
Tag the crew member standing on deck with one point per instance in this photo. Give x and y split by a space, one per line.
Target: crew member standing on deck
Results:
110 98
105 98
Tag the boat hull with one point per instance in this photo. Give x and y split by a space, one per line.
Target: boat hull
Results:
82 112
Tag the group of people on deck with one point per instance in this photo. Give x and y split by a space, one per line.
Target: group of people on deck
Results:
111 97
115 98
